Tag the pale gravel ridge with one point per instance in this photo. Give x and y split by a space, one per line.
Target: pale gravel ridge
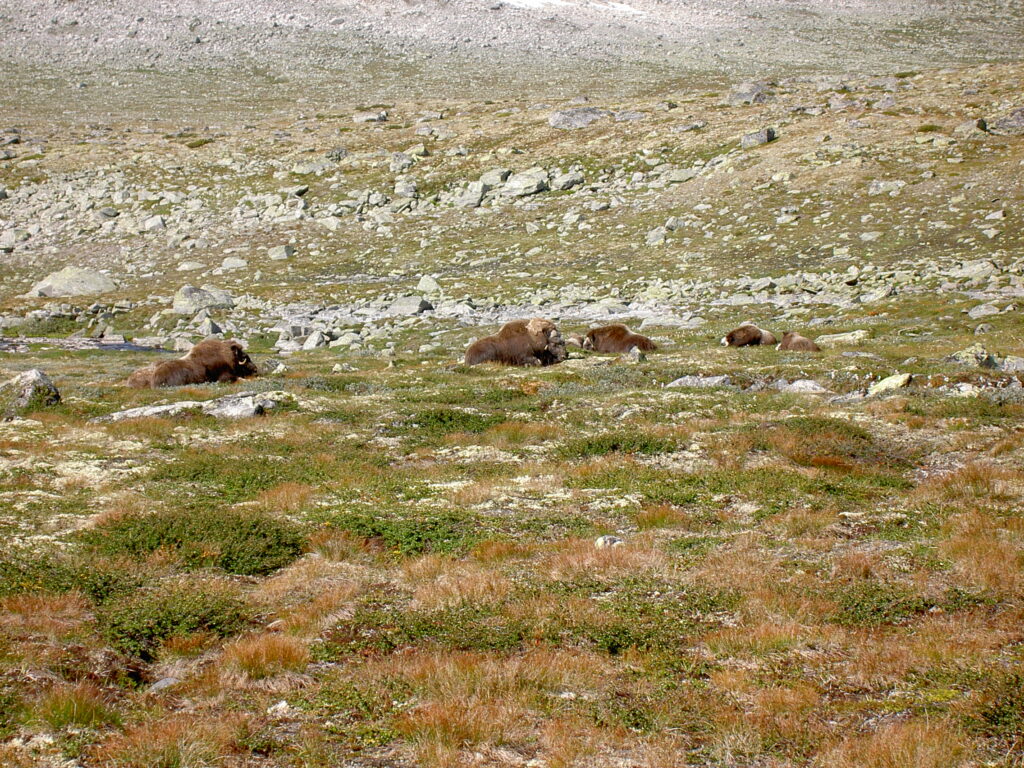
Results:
433 47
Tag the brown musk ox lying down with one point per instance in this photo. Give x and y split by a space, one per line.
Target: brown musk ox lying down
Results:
794 342
520 342
212 360
748 335
616 338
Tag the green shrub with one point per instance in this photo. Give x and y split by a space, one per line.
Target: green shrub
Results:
824 442
11 708
246 542
414 533
434 424
1001 713
98 578
873 603
618 442
140 624
220 478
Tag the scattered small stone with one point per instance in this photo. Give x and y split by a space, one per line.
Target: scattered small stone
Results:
280 252
162 684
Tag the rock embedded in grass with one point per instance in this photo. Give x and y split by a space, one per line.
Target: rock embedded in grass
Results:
758 138
72 281
26 392
576 118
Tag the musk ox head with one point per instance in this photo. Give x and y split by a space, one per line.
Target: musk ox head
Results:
243 364
546 341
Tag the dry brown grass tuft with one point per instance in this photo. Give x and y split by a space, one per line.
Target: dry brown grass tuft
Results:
909 744
286 497
729 450
513 434
52 616
859 564
973 484
439 581
179 741
257 657
500 550
756 639
337 545
661 516
471 494
571 742
82 705
805 522
875 662
575 558
473 700
984 553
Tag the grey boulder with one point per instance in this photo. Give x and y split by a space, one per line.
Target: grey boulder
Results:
578 117
189 300
72 281
26 392
409 305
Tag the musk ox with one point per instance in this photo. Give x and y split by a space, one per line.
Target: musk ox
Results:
521 342
574 340
748 335
616 338
794 342
212 360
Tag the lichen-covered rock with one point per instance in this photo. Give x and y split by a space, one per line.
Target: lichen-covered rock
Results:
27 392
189 300
73 281
241 406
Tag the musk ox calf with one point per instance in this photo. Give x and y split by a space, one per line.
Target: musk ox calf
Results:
794 342
616 338
212 360
521 342
748 335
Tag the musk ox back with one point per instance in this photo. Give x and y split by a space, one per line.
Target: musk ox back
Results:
794 342
617 339
748 335
520 342
212 360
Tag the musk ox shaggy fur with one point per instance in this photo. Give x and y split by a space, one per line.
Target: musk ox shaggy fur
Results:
520 342
748 335
212 360
616 338
794 342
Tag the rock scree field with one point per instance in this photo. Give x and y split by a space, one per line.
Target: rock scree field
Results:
373 555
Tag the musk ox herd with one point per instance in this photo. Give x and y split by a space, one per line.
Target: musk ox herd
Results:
533 342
